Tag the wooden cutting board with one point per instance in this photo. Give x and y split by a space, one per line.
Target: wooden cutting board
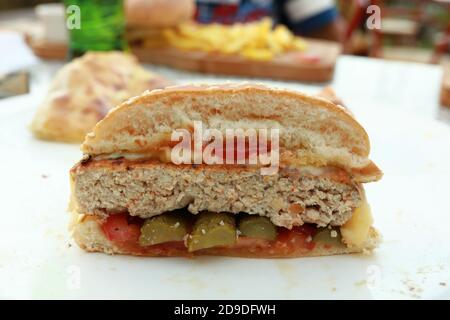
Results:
47 50
316 64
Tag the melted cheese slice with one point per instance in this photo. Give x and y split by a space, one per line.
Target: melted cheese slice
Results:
356 230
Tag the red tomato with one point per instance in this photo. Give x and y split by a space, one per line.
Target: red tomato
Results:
297 237
118 229
124 232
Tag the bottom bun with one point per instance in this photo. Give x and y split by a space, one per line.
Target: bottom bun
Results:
89 236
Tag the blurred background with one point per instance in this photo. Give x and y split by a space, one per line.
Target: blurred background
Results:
400 30
413 30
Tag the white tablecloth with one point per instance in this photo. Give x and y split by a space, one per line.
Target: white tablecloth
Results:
360 82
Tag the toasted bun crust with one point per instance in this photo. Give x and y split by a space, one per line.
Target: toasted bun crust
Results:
328 93
158 13
313 131
89 236
83 92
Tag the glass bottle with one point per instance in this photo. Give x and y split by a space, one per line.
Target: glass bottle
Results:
95 25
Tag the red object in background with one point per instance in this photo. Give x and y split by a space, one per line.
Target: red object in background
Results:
442 46
359 15
229 14
225 13
256 15
360 7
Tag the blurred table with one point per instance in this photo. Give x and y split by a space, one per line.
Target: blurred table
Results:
361 83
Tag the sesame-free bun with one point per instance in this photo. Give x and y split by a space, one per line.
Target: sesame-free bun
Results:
158 13
313 131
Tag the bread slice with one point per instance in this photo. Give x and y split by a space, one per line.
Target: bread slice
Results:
313 131
88 235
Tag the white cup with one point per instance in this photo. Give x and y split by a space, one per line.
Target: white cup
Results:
52 16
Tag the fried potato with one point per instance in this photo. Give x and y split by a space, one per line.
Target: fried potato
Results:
256 41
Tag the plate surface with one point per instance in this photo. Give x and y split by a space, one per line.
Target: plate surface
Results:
410 205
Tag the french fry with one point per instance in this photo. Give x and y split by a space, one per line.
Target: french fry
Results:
255 41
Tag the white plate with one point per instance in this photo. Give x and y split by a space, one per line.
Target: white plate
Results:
411 208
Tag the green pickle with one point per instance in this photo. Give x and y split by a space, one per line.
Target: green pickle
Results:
212 230
324 235
257 227
164 228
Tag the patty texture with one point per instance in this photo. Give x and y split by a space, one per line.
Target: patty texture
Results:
323 196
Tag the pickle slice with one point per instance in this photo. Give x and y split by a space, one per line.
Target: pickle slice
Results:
212 230
328 236
257 227
167 227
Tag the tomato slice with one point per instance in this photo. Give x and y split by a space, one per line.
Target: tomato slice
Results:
297 237
120 230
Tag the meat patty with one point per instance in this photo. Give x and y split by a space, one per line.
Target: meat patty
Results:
325 196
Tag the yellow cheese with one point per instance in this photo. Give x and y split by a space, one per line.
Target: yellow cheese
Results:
356 230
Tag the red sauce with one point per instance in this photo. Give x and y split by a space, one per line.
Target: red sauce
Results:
235 151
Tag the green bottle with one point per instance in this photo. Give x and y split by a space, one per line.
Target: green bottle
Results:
95 25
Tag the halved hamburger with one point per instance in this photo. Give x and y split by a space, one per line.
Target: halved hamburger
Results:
129 197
